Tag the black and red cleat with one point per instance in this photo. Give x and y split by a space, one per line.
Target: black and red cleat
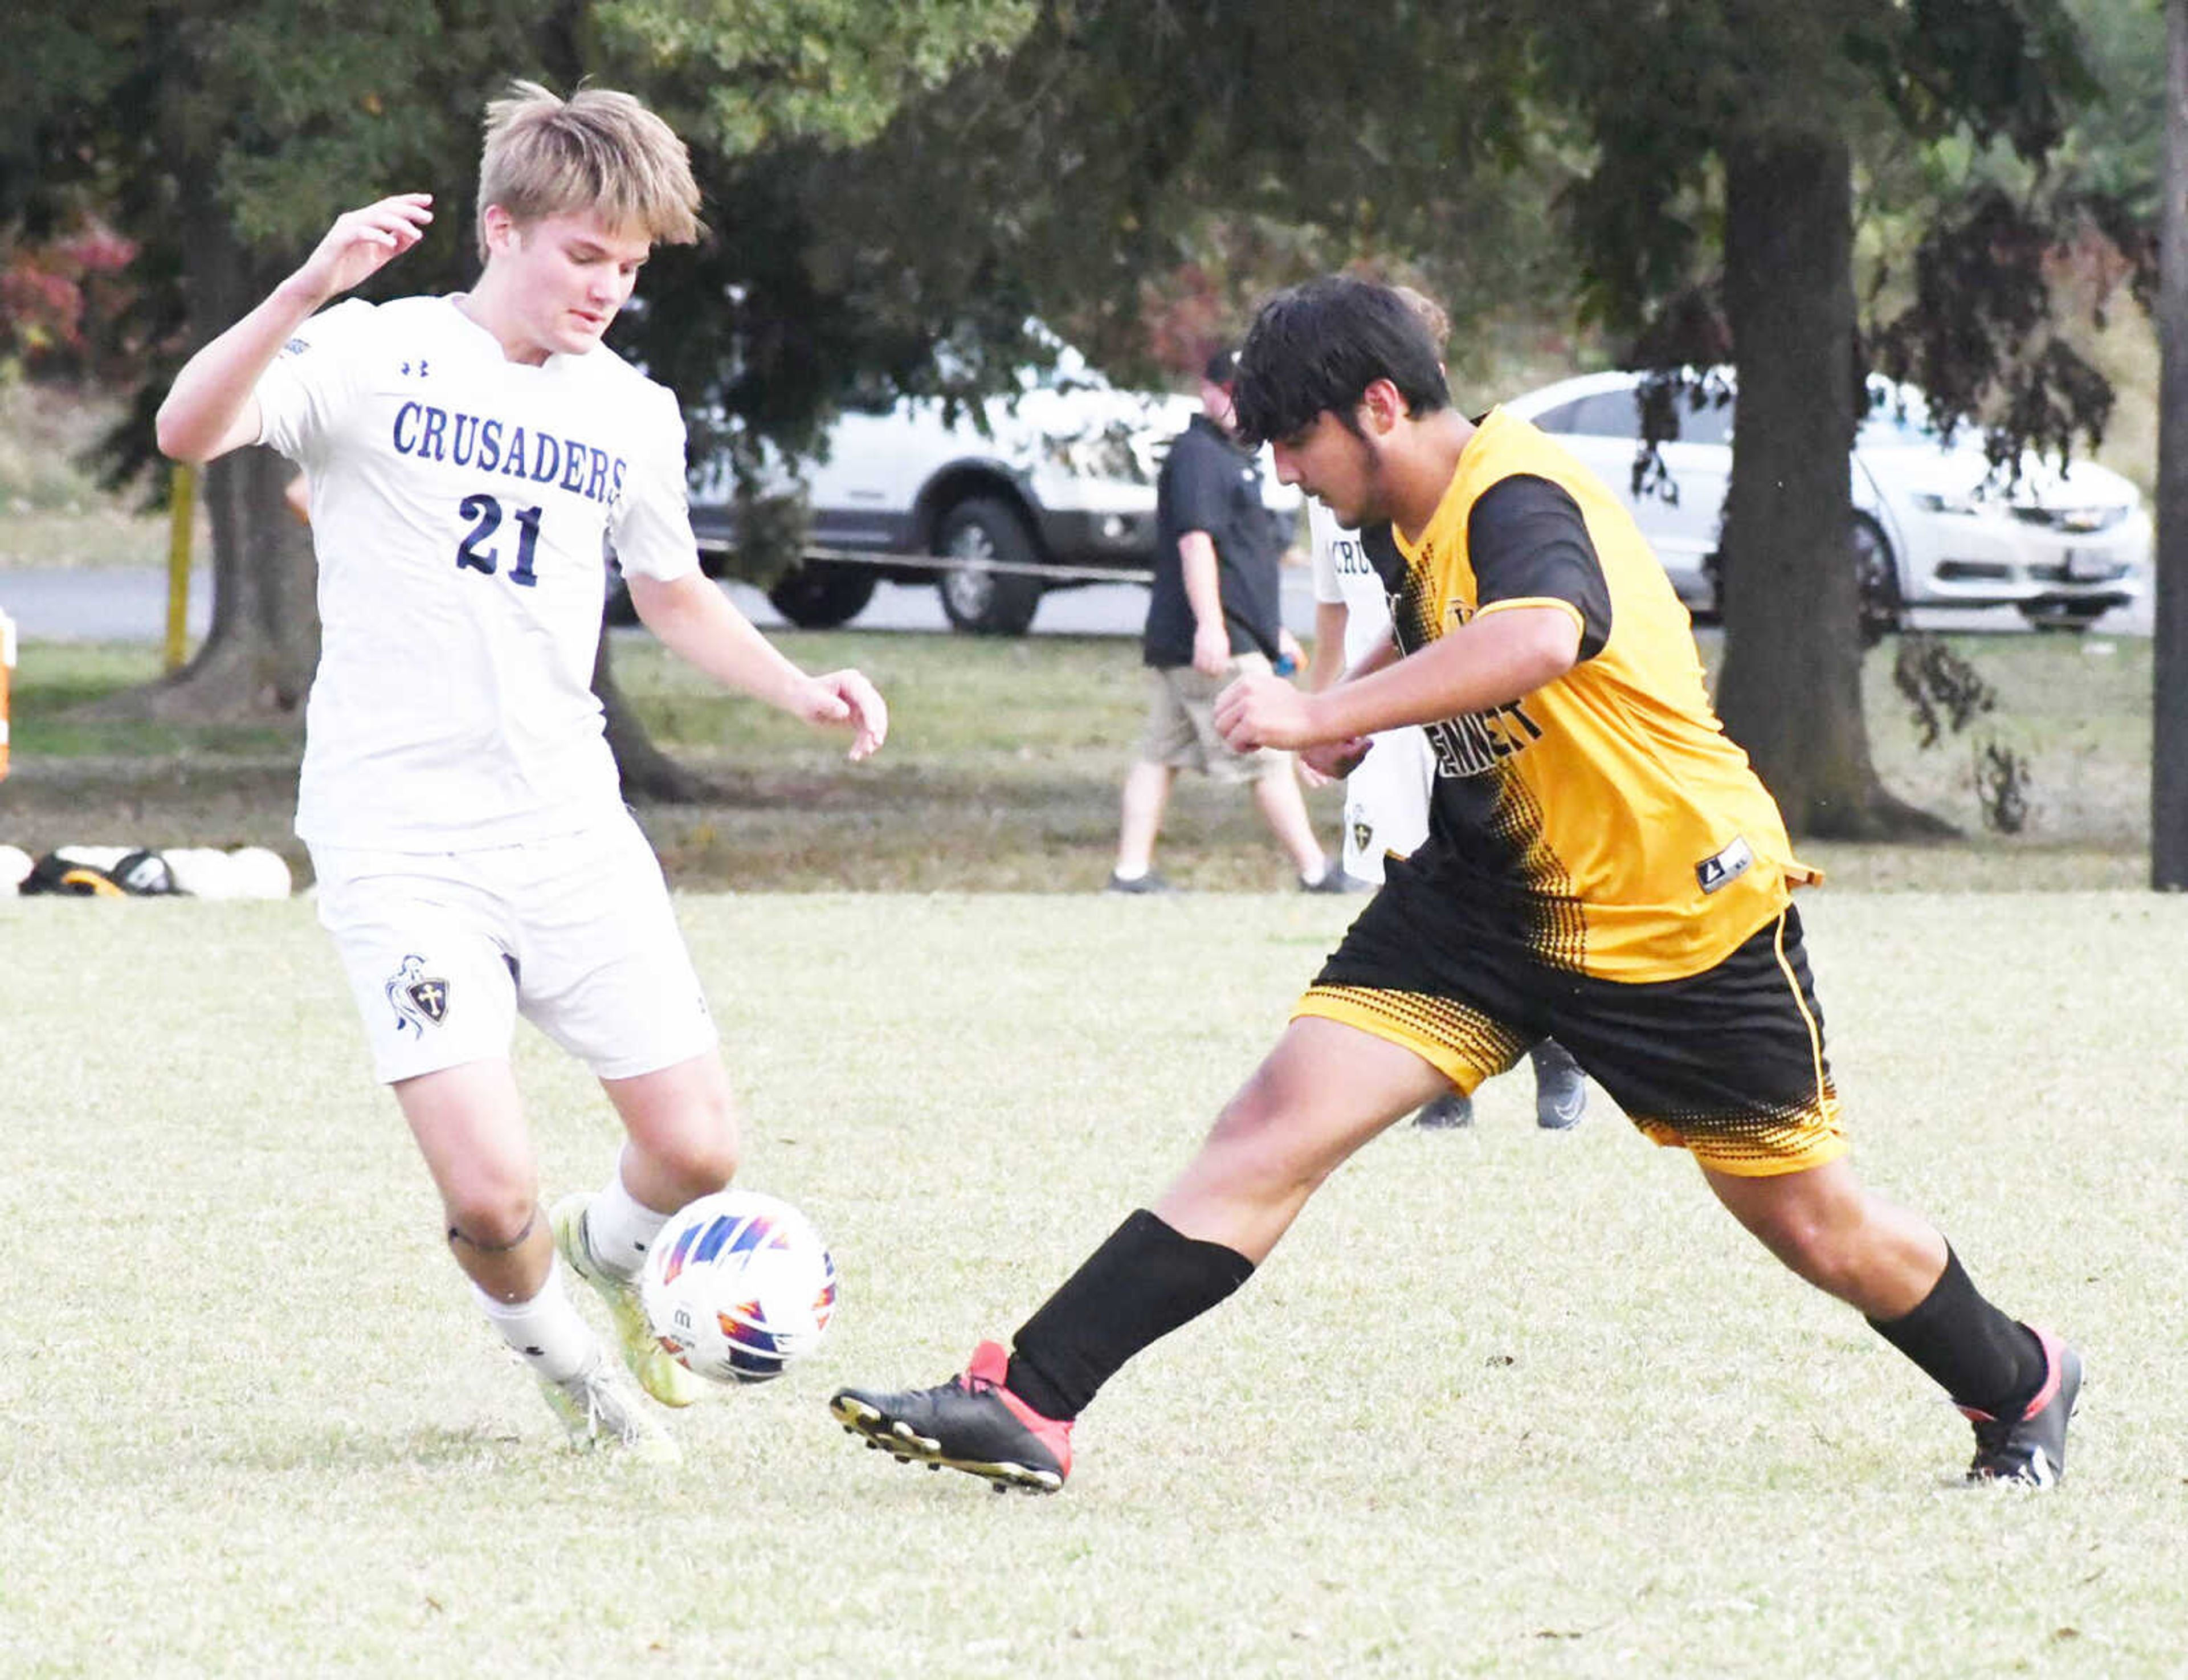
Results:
971 1423
2030 1450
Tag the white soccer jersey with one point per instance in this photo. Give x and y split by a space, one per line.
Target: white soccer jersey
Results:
1386 799
1344 576
462 508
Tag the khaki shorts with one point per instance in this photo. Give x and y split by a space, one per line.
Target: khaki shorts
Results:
1181 727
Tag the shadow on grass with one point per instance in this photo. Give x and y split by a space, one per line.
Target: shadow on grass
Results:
339 1449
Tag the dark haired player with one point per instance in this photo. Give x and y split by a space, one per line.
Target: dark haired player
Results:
1602 867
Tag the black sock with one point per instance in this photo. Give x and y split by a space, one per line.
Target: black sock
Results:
1980 1357
1140 1285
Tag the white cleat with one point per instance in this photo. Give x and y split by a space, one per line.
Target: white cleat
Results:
600 1405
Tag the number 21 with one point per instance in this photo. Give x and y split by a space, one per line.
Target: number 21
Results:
486 513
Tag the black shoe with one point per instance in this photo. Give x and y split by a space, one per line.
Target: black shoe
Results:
971 1422
1446 1114
1149 882
2031 1450
1335 880
1560 1087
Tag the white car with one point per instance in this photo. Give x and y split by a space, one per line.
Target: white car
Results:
1934 524
1047 489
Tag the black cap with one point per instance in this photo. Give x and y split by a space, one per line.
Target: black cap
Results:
1222 366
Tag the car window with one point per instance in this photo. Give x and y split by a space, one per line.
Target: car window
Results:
1710 423
1608 414
1617 414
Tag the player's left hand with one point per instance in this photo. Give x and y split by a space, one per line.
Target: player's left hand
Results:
1328 761
848 699
1262 710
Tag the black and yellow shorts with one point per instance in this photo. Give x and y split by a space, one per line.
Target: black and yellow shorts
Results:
1727 1063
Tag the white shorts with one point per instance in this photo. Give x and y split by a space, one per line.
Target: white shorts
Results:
1386 802
445 950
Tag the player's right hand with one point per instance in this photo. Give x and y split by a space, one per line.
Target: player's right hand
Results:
847 700
362 242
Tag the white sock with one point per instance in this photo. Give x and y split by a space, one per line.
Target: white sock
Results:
1315 874
545 1331
1130 874
619 1229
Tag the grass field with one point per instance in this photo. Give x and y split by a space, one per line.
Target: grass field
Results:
1003 769
1503 1403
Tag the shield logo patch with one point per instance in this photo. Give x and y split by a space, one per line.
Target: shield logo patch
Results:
430 999
418 1000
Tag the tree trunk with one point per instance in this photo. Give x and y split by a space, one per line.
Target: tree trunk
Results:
647 772
258 656
1789 691
2168 785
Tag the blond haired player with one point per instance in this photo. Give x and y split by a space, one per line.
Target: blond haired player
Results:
1602 867
471 459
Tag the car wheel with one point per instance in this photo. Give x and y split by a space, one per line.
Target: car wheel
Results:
820 594
1876 572
988 603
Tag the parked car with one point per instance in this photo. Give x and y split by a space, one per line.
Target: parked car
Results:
1934 524
1050 488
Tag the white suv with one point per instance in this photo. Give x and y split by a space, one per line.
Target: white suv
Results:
1048 488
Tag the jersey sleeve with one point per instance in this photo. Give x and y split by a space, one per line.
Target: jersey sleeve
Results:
650 526
1528 543
313 381
1321 540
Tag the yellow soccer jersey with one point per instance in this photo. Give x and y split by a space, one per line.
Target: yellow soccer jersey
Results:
1605 821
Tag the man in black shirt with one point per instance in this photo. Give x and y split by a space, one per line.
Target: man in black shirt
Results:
1215 614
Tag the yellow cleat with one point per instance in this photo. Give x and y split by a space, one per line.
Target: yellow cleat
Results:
657 1370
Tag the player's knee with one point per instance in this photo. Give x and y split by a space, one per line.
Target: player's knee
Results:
1252 1145
1244 1122
705 1162
1828 1249
493 1218
700 1152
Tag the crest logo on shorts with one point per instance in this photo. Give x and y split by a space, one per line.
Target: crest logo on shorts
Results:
1363 834
418 1000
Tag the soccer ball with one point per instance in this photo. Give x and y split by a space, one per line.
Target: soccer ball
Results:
737 1286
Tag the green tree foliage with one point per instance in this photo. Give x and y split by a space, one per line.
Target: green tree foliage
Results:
1133 175
1726 136
223 135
